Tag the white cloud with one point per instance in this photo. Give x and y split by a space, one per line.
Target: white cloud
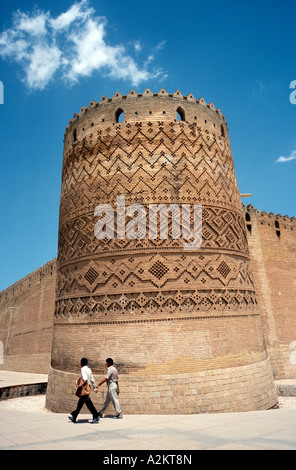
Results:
156 49
43 63
70 46
138 46
34 26
77 12
287 159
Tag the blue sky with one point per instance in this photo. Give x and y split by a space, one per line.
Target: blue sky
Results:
57 56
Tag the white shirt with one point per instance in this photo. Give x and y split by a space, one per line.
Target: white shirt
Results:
87 375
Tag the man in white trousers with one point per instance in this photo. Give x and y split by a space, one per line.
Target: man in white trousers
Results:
112 393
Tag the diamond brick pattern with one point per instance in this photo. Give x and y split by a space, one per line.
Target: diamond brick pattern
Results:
151 162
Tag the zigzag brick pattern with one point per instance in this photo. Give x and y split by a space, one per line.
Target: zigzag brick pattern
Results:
152 163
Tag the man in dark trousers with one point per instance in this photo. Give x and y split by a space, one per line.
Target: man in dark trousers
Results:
87 376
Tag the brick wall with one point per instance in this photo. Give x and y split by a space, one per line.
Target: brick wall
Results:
272 243
26 321
243 388
159 346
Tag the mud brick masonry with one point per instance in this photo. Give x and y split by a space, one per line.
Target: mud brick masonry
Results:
191 331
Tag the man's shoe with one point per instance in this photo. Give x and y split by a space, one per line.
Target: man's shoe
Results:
118 416
95 420
72 419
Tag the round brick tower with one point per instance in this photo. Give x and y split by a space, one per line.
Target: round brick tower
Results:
182 325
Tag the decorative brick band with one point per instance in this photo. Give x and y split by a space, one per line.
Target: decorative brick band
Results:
156 320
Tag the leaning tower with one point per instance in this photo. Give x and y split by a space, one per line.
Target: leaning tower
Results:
182 325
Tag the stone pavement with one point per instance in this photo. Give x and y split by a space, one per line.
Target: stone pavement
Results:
9 378
25 424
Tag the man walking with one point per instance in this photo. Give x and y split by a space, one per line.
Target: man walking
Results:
87 376
112 393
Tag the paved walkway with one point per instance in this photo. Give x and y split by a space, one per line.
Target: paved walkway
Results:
9 378
25 424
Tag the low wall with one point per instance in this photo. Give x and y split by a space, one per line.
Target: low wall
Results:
26 390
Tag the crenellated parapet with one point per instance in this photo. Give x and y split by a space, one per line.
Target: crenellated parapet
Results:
277 221
24 284
146 106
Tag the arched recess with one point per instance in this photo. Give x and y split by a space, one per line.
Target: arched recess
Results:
248 220
278 231
180 114
119 115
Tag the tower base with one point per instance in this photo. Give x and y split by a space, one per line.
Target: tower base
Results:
243 388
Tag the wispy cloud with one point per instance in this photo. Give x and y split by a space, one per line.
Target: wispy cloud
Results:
69 46
287 159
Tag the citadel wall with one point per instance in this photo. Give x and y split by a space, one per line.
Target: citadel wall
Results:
272 245
26 321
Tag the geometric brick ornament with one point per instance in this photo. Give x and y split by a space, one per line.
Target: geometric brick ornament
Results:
183 324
